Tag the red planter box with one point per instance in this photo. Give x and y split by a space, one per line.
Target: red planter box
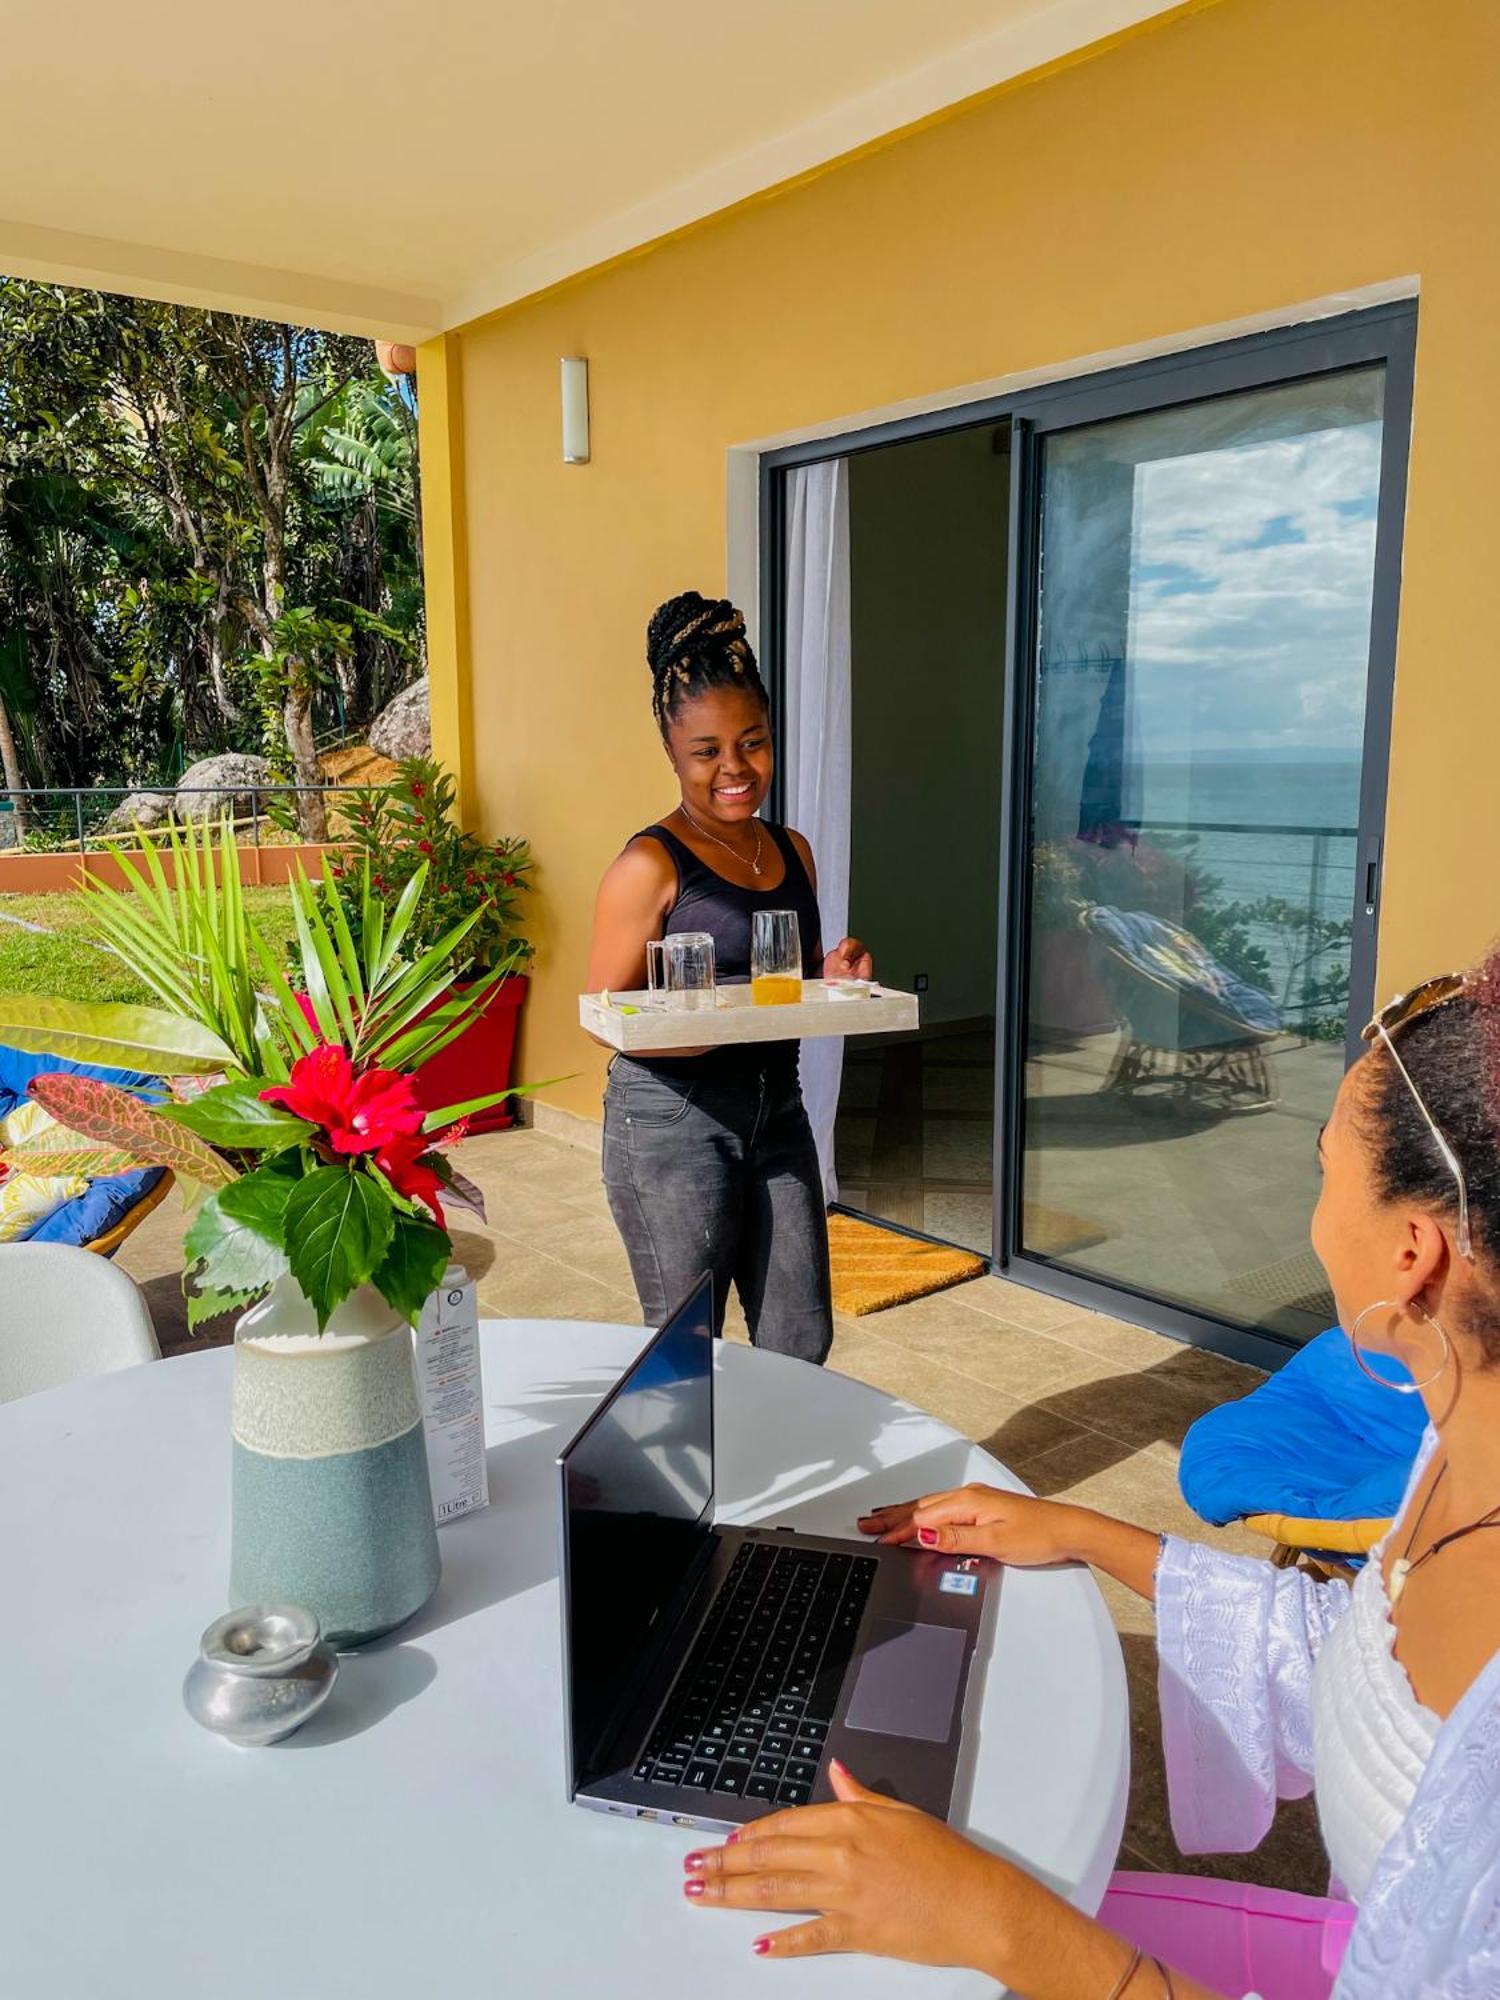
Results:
480 1060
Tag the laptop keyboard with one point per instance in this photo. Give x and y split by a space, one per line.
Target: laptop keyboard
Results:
749 1713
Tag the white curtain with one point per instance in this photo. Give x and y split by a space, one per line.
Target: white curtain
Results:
818 738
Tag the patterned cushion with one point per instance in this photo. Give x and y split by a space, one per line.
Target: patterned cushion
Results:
27 1200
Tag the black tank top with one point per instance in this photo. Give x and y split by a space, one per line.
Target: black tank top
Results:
708 901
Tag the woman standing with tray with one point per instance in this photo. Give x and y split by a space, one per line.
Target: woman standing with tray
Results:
709 1161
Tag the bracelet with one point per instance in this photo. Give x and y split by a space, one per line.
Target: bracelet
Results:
1127 1975
1169 1991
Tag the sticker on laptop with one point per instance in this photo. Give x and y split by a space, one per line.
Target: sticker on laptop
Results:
958 1585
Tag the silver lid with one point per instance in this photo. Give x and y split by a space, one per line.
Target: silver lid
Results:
261 1638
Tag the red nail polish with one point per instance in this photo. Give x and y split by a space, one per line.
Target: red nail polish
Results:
693 1863
692 1888
761 1946
927 1537
732 1838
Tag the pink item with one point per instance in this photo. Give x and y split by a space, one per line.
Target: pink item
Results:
1234 1938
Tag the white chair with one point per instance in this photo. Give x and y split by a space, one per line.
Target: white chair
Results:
64 1314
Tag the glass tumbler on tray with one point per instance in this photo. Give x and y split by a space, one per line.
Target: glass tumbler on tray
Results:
680 971
775 959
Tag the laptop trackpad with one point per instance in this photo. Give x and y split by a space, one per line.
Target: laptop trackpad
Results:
908 1679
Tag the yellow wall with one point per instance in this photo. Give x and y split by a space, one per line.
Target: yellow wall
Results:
1236 161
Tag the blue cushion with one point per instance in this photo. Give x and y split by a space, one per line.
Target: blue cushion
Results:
1319 1439
103 1203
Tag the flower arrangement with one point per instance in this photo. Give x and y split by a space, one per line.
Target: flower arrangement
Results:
298 1128
409 825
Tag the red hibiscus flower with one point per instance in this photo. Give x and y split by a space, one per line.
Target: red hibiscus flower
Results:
359 1112
401 1160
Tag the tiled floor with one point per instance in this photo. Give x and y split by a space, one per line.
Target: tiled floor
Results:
1079 1405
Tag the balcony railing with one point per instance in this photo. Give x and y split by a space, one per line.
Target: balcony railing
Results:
1251 866
68 818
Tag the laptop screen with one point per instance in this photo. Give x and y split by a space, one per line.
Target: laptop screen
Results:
637 1496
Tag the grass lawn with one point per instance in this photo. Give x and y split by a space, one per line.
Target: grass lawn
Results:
63 960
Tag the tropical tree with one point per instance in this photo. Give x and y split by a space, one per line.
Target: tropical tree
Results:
204 520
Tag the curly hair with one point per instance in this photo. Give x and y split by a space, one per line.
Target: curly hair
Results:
1452 1053
694 643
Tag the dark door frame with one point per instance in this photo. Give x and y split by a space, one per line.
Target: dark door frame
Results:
1383 334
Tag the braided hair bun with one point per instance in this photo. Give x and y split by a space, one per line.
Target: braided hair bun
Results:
694 643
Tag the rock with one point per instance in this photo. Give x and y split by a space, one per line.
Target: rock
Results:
140 809
403 727
218 785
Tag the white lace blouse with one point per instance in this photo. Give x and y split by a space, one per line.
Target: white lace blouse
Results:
1238 1642
1371 1736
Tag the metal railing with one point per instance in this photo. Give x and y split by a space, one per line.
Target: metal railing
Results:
1310 868
81 804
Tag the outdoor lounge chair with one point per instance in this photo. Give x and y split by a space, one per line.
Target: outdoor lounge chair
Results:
102 1216
1184 1018
1316 1459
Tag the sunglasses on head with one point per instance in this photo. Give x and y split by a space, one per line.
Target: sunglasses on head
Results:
1398 1013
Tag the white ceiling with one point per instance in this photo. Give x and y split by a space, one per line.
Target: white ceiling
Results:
398 166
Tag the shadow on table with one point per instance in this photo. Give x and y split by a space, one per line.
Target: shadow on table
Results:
511 1547
371 1684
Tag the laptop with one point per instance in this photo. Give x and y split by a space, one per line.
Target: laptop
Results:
710 1672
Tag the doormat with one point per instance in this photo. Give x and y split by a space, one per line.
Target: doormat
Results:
1053 1232
874 1268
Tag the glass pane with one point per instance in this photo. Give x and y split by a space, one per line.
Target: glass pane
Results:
927 549
1202 661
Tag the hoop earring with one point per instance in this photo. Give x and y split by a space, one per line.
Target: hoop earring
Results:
1400 1388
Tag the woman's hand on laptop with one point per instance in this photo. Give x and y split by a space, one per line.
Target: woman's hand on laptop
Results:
884 1877
881 1877
982 1521
1017 1529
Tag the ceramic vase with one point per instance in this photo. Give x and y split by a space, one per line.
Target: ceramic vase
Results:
332 1506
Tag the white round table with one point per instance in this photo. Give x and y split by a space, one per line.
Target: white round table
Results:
414 1838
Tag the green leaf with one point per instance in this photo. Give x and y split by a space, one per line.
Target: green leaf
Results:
413 1266
235 1115
325 1010
338 1226
111 1034
208 1302
301 1035
451 1113
234 1243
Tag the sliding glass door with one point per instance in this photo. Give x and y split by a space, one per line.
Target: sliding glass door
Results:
1201 678
1176 690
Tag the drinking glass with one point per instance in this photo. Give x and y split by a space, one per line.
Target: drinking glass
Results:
775 959
680 971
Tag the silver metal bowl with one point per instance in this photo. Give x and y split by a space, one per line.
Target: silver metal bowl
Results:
260 1673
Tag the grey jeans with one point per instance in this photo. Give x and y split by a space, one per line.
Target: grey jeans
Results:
707 1174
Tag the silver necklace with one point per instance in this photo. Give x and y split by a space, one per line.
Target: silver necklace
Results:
755 859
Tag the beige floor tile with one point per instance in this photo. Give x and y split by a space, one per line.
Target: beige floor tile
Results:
586 1243
1015 1432
1135 1347
1017 1303
524 1284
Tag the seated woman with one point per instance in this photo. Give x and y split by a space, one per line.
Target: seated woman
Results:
1382 1697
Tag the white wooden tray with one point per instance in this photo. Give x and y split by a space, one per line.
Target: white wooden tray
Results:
627 1022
